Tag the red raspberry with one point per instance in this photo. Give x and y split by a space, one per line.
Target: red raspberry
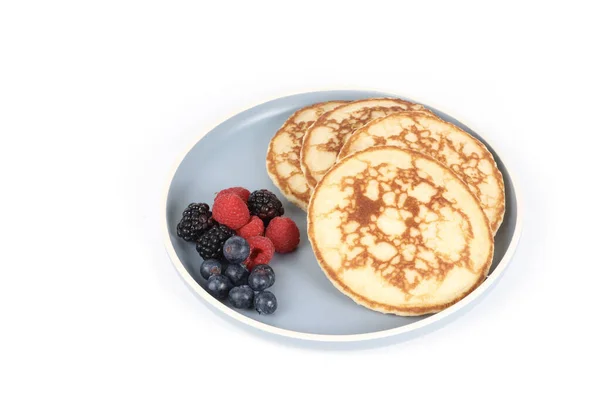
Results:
230 210
261 251
284 234
240 191
253 228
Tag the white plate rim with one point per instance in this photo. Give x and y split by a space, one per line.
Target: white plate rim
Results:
359 337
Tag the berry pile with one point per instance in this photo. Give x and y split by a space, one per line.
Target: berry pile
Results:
229 279
237 240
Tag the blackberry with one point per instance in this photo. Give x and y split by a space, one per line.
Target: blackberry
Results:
196 220
210 244
265 205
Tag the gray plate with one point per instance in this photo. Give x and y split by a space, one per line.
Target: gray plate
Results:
233 154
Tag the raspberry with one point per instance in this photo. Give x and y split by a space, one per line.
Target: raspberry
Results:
261 251
230 210
238 190
284 234
253 228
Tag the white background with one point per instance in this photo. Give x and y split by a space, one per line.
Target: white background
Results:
99 98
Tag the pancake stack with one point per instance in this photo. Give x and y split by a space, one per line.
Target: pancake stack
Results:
402 205
283 156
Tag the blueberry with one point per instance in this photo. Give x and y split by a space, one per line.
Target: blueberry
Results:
241 296
210 267
265 302
219 286
262 277
236 249
237 273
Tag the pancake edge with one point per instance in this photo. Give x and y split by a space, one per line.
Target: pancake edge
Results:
271 171
384 308
312 182
502 210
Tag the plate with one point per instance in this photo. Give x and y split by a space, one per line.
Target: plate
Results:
309 307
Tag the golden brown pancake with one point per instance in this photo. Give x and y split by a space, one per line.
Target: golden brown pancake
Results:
445 142
398 232
325 137
283 155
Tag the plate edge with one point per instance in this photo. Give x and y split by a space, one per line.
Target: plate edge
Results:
191 283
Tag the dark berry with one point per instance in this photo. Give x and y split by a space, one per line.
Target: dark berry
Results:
236 249
237 274
210 244
210 267
265 302
265 205
196 219
219 286
262 277
241 296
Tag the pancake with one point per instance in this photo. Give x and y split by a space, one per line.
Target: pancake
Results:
325 137
445 142
283 155
398 232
